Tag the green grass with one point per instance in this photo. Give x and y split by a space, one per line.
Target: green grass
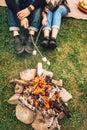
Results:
68 62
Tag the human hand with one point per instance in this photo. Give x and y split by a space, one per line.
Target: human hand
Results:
23 13
24 23
44 21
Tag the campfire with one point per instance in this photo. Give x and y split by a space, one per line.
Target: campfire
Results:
41 100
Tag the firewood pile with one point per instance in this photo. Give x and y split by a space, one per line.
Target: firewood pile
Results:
40 100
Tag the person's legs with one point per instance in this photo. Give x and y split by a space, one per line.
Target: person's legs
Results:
13 23
35 20
46 30
34 24
47 27
45 40
14 28
56 22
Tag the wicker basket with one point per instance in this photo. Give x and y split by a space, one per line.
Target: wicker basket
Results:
82 8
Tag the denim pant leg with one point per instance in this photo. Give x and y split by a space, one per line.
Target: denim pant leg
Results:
12 20
49 20
57 16
35 19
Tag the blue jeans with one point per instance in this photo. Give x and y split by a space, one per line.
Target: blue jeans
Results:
34 18
54 17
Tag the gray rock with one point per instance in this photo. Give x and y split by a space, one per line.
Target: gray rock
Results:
24 114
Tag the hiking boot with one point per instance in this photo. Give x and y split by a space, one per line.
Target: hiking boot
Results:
18 46
45 42
29 47
52 44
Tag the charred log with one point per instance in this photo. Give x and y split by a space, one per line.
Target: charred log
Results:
59 107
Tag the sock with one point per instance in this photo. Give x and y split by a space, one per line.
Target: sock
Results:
46 37
15 33
31 32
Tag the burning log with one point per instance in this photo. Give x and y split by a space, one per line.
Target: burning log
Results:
57 121
53 92
61 115
50 122
59 107
25 102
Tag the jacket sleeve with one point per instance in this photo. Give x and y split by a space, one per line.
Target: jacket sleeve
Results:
39 3
13 6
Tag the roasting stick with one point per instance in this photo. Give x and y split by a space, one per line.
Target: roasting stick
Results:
35 43
38 35
35 46
43 58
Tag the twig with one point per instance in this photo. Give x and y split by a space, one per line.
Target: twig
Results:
36 47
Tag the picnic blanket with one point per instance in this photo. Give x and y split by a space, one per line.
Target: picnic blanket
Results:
75 12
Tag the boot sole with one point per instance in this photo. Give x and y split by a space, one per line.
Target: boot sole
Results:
52 46
21 51
28 51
